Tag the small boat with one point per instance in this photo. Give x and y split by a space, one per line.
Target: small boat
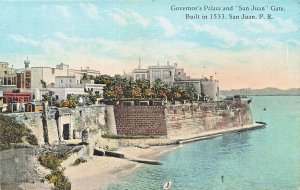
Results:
167 185
265 109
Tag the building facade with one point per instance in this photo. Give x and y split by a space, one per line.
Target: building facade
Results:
8 78
15 100
67 85
173 75
168 74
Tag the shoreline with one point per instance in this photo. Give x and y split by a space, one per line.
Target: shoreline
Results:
215 133
100 172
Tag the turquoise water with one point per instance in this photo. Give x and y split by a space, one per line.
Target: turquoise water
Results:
266 158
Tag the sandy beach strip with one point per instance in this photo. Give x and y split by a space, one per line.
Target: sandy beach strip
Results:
99 172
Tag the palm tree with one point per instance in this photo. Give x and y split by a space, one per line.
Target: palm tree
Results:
157 85
191 92
119 91
148 93
143 84
137 92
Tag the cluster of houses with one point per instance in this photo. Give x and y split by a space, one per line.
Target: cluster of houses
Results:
23 89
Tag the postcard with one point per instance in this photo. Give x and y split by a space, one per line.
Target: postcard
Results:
149 94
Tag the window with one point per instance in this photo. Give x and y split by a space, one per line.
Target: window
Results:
137 77
156 74
167 74
143 76
61 81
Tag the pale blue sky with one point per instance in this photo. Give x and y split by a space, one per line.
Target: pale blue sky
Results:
111 35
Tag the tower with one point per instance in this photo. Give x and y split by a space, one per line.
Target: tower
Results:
26 63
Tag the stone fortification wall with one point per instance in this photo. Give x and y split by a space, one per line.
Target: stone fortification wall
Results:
71 122
90 117
140 120
180 120
172 121
190 119
33 121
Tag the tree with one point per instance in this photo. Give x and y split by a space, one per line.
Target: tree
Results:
148 93
119 92
72 101
108 93
48 97
144 85
85 76
190 92
136 92
44 85
157 86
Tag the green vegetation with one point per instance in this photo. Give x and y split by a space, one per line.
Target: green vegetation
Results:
79 161
119 89
12 132
31 139
60 181
72 101
53 161
50 160
49 98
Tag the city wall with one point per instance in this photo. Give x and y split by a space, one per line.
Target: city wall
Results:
180 120
67 124
171 121
140 120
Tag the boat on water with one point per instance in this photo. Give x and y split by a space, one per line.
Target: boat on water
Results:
167 185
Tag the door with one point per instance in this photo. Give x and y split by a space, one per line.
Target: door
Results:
66 131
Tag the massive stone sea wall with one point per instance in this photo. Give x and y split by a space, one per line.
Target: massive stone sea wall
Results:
182 119
168 121
196 118
140 120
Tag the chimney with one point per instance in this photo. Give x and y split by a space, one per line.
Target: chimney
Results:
211 78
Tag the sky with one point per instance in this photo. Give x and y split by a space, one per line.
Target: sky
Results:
111 36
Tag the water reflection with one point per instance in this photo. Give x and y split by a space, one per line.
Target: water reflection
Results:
235 143
235 139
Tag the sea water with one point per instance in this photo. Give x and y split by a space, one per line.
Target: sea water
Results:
267 158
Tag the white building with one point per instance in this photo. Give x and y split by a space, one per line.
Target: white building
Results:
47 75
167 73
171 74
67 85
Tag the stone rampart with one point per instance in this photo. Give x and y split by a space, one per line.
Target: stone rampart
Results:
140 120
170 120
66 124
191 119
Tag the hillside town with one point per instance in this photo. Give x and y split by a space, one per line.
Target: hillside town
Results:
26 89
